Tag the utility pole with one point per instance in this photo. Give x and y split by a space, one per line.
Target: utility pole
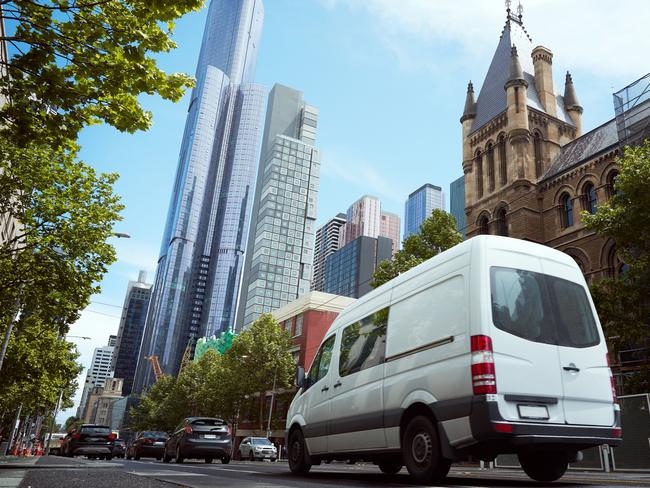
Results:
268 427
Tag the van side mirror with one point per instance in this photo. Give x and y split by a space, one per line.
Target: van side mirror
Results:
300 376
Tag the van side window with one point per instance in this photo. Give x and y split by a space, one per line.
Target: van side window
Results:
364 343
321 364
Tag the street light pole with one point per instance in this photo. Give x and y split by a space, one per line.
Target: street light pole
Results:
268 427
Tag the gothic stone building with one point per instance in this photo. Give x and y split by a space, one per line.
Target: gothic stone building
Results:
529 169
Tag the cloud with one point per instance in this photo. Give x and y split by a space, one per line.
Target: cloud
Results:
595 36
137 255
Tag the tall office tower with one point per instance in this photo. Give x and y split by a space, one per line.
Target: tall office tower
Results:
419 206
328 241
280 255
100 369
129 335
201 259
457 203
390 226
363 219
349 270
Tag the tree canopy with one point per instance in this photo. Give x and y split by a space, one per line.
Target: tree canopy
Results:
83 62
219 384
437 233
624 303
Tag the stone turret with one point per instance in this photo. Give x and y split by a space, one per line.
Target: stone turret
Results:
519 135
571 104
543 64
469 114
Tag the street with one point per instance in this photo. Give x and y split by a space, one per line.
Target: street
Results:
76 473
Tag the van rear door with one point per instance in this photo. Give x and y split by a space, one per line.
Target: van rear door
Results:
582 349
526 358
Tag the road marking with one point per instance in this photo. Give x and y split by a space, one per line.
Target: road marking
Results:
11 479
164 473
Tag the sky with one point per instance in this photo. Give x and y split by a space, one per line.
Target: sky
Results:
389 79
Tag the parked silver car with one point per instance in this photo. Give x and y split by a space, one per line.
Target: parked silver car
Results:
257 449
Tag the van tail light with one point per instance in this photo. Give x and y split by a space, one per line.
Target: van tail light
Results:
188 429
612 380
76 436
112 437
484 380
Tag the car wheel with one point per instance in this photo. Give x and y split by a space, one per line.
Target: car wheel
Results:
136 457
390 467
298 453
251 456
421 451
128 458
166 458
208 460
273 460
544 466
158 458
179 458
108 458
225 460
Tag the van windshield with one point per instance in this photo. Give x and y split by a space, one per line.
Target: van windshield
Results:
542 308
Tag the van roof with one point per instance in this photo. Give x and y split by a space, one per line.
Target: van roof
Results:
478 243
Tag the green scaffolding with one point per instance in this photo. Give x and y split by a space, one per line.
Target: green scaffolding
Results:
218 344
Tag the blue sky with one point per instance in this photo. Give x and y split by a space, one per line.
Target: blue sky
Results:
389 79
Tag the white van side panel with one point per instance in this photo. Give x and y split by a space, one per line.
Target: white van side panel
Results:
427 349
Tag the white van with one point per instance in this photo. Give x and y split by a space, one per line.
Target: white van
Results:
491 347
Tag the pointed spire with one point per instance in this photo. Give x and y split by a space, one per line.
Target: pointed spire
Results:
470 104
570 98
516 74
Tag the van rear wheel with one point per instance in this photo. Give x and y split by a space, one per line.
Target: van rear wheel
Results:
544 466
298 453
421 451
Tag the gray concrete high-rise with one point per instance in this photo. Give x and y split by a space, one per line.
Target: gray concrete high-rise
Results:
99 371
201 257
280 254
329 239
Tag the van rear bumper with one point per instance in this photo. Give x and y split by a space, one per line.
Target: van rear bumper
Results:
489 427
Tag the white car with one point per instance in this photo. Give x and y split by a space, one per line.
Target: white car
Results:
257 449
491 347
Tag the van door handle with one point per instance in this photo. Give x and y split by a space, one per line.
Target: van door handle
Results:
325 388
571 368
337 384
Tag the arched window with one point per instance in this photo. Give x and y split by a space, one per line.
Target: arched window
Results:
479 175
566 208
611 179
502 224
490 161
483 225
590 199
537 144
503 169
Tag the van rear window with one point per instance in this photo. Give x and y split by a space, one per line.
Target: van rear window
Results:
542 308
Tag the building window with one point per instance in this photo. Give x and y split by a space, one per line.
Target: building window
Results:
483 225
479 175
590 199
490 158
611 180
502 224
298 330
537 144
503 168
566 208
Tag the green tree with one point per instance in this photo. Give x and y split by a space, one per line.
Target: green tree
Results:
624 303
153 412
65 213
83 62
72 423
38 366
437 233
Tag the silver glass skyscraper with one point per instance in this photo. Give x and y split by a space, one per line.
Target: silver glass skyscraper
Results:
281 242
201 257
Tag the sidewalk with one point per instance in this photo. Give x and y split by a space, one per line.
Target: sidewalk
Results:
613 478
38 462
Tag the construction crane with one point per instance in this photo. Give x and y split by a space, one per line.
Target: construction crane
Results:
187 355
155 364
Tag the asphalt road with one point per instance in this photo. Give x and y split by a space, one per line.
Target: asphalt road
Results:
153 474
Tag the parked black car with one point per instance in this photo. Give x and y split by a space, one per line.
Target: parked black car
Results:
200 438
147 444
119 448
94 441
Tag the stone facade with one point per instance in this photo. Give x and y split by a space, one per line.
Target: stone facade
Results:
529 170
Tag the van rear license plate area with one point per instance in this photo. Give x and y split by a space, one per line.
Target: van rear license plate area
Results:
533 412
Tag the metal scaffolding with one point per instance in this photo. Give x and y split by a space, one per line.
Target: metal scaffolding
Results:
632 109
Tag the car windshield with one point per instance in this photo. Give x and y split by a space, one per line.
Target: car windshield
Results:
542 308
96 430
208 422
155 435
262 442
